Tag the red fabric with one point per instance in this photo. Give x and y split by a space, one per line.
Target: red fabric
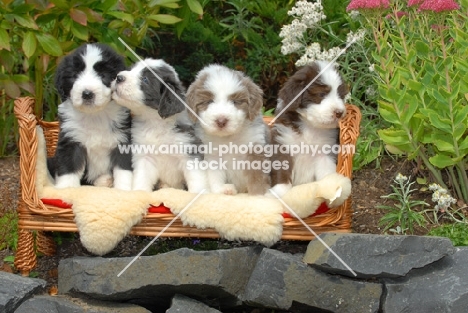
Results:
57 202
321 209
161 209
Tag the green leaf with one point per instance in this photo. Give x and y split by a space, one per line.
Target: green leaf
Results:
164 18
410 108
436 120
395 137
19 78
4 40
195 6
421 180
164 3
80 31
12 89
25 21
123 16
444 145
62 4
107 5
463 145
49 44
29 44
79 16
442 161
422 48
115 24
9 259
389 116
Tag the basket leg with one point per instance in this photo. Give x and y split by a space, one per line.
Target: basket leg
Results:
45 243
25 259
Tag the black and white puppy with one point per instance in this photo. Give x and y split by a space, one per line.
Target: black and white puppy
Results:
92 126
310 121
229 104
162 134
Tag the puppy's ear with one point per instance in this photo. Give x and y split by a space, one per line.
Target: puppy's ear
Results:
255 98
294 86
194 95
169 104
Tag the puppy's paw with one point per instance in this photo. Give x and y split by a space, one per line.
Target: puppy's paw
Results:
227 189
104 181
67 181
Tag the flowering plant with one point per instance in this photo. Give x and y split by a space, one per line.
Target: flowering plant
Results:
420 59
321 30
402 213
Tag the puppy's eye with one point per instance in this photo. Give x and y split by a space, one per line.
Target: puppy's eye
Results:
203 104
322 94
238 102
145 80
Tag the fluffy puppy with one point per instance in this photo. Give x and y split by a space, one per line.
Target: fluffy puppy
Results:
311 120
92 126
229 107
162 134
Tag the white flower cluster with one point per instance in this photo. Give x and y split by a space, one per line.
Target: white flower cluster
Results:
314 52
310 13
353 37
442 197
400 178
307 15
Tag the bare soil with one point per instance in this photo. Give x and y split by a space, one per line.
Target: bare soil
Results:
369 184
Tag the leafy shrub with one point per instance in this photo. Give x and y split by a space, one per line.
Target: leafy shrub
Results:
422 84
35 34
457 233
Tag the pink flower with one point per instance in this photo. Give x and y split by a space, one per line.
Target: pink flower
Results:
414 2
439 5
367 4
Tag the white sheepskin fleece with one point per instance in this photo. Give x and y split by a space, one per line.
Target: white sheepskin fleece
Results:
104 216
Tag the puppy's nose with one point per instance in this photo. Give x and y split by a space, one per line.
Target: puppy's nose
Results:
221 122
120 78
87 94
339 113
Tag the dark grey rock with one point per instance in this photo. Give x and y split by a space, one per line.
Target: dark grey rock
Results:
375 255
14 289
215 277
283 281
60 304
441 287
183 304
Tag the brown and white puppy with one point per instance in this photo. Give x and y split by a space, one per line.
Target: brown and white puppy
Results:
228 105
310 123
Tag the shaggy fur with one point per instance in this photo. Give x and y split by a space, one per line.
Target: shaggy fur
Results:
312 120
159 119
91 125
229 107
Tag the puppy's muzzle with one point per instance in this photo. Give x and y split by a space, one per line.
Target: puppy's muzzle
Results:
120 79
221 122
339 113
87 95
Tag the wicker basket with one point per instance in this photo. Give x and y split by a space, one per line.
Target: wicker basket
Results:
35 216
